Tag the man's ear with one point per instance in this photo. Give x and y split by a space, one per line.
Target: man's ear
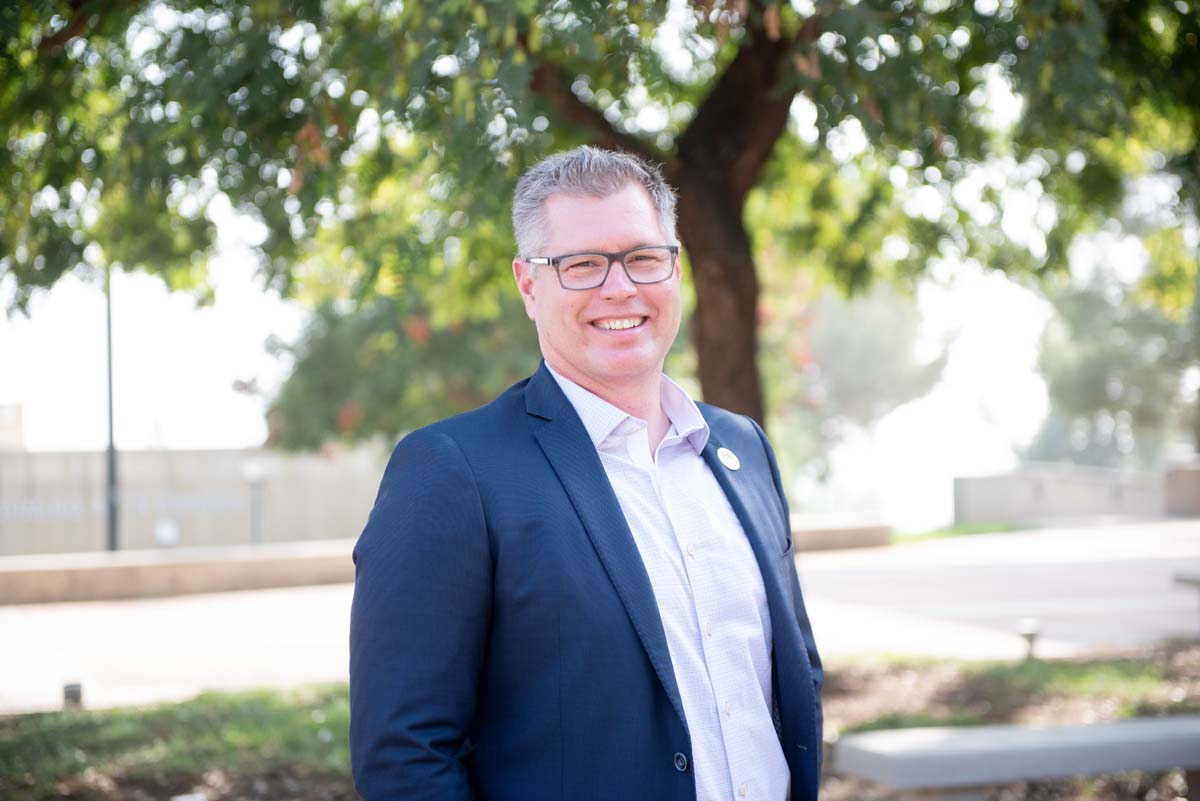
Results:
523 273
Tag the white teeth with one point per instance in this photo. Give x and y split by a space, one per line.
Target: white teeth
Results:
618 325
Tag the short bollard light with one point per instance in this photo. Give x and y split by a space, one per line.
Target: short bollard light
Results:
73 695
1029 628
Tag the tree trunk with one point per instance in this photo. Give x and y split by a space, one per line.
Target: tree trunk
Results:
719 159
725 325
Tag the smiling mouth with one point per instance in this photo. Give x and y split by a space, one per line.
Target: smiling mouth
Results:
623 324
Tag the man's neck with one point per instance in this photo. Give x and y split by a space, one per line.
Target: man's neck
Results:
641 399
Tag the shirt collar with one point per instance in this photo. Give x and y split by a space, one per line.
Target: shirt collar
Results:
600 418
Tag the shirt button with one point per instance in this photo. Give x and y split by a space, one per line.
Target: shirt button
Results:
708 629
691 549
728 709
742 790
680 762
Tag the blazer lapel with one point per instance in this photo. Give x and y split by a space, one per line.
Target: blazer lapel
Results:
741 488
569 450
744 491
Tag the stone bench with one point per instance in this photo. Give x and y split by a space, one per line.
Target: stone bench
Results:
822 532
963 763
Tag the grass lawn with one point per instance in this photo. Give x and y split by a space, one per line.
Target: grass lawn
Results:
286 746
882 693
958 530
254 744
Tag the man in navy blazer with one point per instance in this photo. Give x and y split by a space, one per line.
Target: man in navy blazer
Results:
586 588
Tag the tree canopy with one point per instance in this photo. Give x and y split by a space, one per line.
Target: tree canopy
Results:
1115 367
375 143
383 368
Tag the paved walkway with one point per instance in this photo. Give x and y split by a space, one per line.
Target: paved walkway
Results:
1093 589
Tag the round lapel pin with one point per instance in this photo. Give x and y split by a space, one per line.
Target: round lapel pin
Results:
729 458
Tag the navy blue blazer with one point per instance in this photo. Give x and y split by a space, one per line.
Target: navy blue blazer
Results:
505 644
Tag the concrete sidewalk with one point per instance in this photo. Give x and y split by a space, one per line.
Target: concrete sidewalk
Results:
1093 589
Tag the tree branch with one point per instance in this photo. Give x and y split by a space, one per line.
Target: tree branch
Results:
79 18
551 83
736 127
809 32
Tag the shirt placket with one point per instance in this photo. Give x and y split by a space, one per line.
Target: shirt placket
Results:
702 559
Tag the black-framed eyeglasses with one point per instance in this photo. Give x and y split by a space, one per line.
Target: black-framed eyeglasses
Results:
643 265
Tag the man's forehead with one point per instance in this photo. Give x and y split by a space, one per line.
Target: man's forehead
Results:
567 197
628 207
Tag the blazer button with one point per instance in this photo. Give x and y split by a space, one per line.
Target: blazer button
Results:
680 762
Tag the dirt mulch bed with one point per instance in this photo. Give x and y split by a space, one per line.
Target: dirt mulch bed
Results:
214 785
861 695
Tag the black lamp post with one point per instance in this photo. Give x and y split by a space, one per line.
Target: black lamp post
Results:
111 489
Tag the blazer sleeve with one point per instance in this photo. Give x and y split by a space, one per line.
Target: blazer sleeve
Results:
418 625
810 644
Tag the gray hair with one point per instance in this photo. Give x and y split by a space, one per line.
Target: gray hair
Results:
590 172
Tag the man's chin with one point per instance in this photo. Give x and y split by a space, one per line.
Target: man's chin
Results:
617 370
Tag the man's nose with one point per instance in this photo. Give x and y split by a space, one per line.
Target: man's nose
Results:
617 283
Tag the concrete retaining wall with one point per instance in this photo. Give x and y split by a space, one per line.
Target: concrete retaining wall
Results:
1183 490
831 532
1041 493
105 576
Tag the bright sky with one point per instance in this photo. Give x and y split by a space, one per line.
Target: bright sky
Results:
174 363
